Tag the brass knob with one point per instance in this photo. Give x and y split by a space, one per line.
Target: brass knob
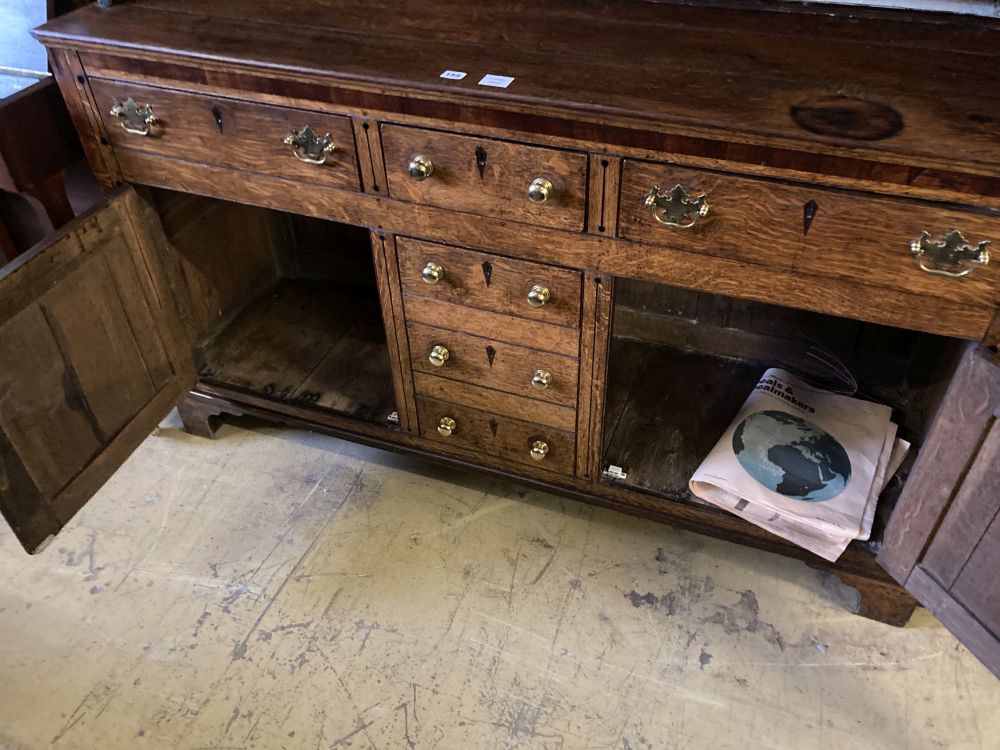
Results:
542 379
421 168
538 295
438 355
539 450
540 190
432 273
446 426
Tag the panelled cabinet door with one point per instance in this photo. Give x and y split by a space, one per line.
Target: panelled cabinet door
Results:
943 542
92 356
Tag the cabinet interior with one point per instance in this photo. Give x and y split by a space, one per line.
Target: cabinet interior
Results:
282 306
681 364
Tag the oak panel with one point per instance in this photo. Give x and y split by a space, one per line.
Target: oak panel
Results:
827 232
495 435
250 135
494 364
487 176
490 282
491 325
496 402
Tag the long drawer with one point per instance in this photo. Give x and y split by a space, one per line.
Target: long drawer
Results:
229 133
824 231
532 184
467 429
531 373
490 282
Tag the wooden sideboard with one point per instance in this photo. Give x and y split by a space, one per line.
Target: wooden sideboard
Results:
346 218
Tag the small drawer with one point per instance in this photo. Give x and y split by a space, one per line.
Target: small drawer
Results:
495 364
490 282
495 402
495 435
823 231
230 133
532 184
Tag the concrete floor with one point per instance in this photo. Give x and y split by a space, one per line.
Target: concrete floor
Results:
277 589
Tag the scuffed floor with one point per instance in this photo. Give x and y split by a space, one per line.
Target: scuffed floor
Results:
277 589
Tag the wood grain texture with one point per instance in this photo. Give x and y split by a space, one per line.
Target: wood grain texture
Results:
395 330
230 133
598 311
850 235
579 131
964 532
485 176
745 90
739 279
975 636
495 402
494 364
604 182
881 601
79 388
72 80
507 439
371 164
963 419
490 282
491 325
975 585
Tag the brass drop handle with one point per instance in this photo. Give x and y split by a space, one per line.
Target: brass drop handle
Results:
541 380
675 207
538 295
432 273
539 450
952 255
134 118
438 355
421 168
447 426
309 147
540 190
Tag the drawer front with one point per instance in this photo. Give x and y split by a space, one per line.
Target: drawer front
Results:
827 232
232 133
495 402
486 177
496 435
495 364
490 282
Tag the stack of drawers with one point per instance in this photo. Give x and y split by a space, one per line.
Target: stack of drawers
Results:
494 351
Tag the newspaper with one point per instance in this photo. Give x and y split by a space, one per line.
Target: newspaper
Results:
806 464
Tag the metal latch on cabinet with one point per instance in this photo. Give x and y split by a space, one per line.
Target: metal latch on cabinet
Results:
393 418
614 473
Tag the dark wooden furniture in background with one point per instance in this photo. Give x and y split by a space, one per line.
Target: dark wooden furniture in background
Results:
37 141
334 235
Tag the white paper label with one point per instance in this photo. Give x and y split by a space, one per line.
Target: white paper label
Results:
500 82
454 75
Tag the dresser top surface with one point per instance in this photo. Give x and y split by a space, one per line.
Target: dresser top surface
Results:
902 87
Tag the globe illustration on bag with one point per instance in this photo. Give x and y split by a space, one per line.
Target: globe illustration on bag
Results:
792 456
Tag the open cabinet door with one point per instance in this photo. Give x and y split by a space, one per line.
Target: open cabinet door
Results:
92 357
943 541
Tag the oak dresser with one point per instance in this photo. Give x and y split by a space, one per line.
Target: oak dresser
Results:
557 241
